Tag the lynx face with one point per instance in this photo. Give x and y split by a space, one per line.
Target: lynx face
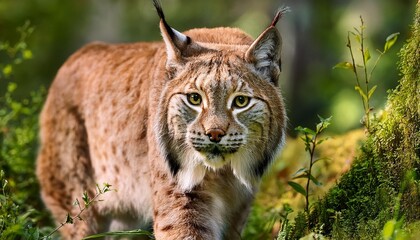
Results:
221 108
217 114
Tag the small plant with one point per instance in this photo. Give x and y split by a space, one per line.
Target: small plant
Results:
311 139
18 140
87 202
15 53
15 221
365 91
285 227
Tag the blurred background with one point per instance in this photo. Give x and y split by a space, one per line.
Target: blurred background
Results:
314 40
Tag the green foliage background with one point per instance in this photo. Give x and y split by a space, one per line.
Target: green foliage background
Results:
19 195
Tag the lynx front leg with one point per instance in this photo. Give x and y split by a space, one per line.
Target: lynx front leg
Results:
179 215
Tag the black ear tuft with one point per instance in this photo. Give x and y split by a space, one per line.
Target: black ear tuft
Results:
265 51
279 15
158 7
178 45
159 11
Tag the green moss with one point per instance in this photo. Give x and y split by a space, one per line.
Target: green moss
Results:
376 188
299 228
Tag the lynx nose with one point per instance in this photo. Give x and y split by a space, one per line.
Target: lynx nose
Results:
215 134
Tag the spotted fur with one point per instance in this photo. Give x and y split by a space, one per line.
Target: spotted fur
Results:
183 129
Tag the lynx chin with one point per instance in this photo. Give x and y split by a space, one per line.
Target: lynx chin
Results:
183 129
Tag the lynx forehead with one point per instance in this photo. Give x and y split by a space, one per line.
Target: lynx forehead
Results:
183 129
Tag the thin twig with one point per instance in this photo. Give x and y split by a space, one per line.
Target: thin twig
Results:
362 50
81 210
354 67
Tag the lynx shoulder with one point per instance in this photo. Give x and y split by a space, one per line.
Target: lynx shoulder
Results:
183 129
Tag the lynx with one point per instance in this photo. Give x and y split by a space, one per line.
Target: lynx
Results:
183 130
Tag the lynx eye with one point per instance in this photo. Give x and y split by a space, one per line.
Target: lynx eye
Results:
194 99
240 101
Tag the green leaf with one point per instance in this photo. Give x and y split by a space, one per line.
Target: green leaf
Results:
357 88
366 55
319 127
27 54
326 120
320 159
5 182
301 175
388 230
305 130
107 187
344 65
7 70
69 219
314 180
86 199
390 41
16 106
297 187
11 87
371 91
323 124
300 171
330 210
322 140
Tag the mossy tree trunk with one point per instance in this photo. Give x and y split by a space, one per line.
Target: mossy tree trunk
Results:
384 181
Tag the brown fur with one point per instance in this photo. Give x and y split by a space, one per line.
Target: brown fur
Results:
106 120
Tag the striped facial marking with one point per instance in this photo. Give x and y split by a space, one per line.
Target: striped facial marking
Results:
218 112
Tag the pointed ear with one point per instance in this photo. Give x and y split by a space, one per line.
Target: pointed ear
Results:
265 52
178 45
